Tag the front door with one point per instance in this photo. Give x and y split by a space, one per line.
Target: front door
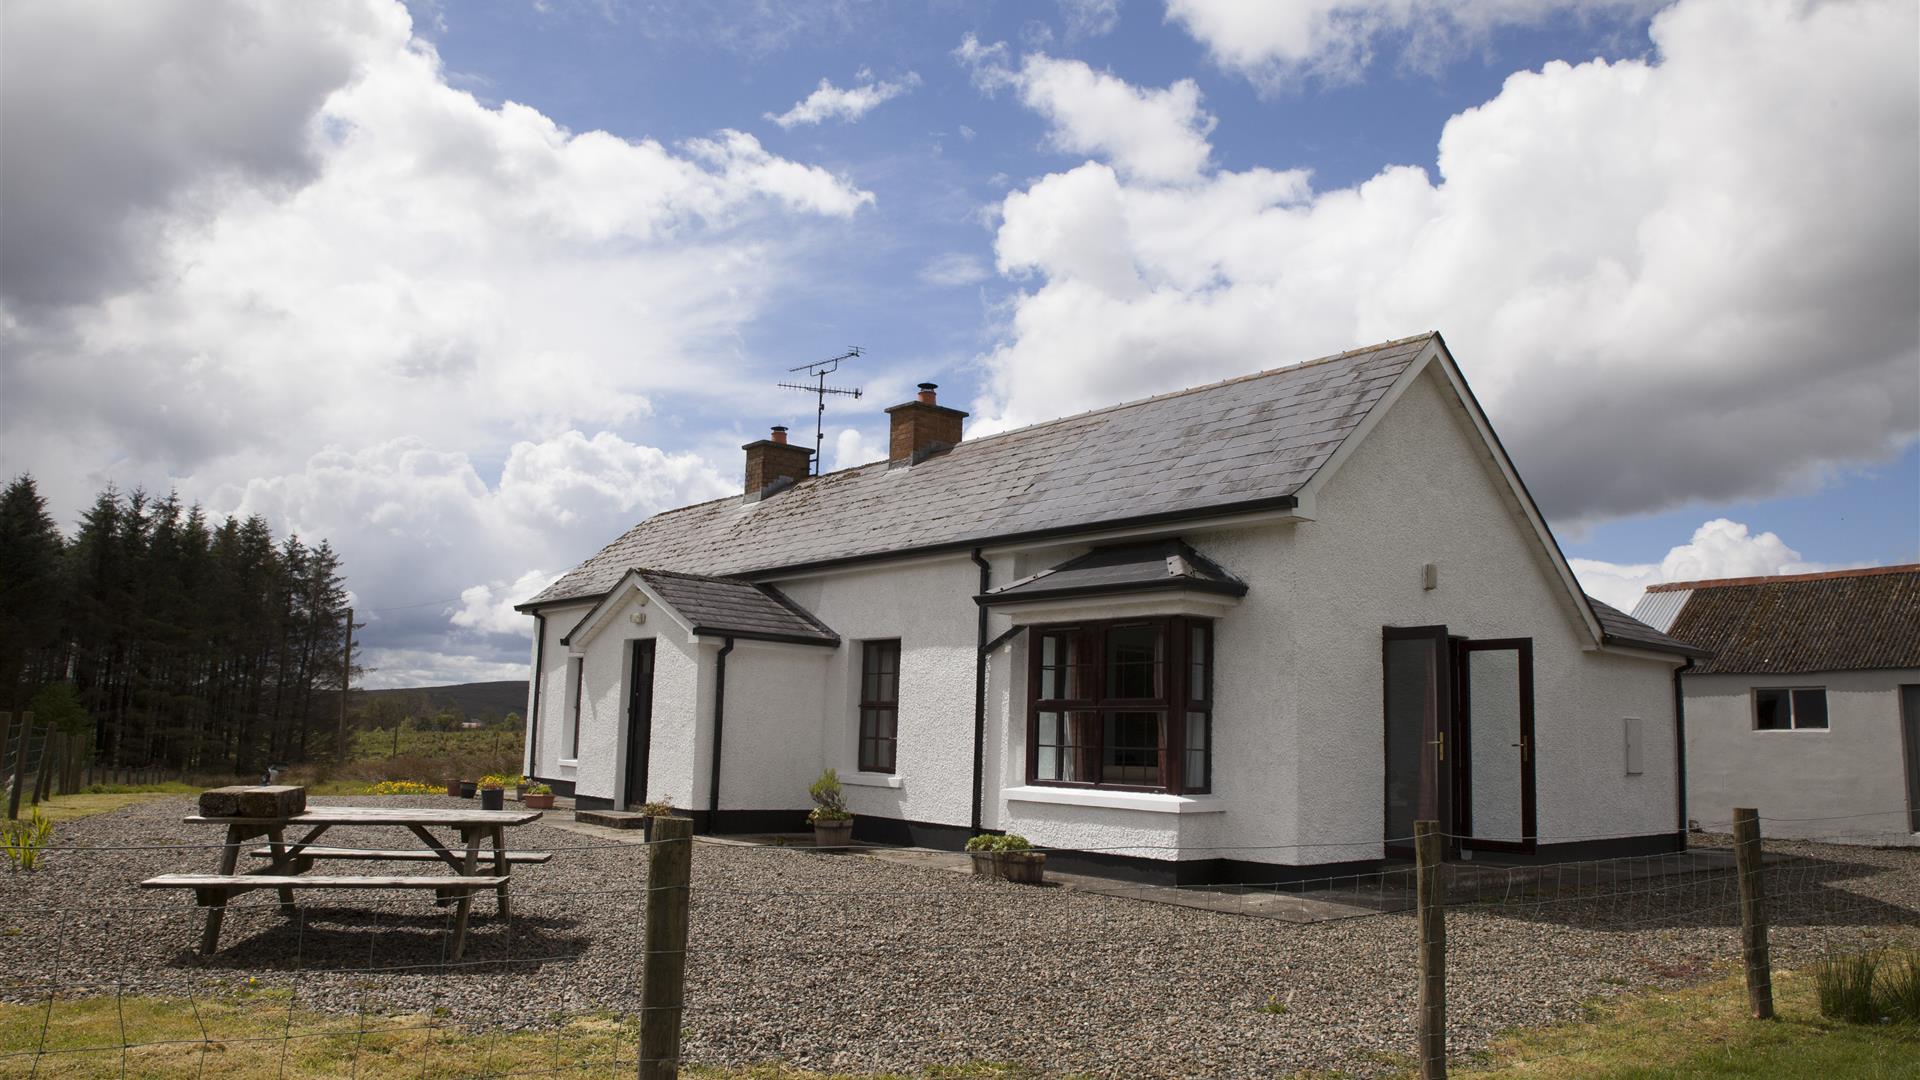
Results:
1493 782
1910 737
1419 713
639 721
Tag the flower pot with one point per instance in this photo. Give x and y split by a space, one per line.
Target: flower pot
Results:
467 788
832 834
516 793
537 802
493 798
1024 867
453 788
983 864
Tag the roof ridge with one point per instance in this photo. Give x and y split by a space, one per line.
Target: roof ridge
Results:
1770 579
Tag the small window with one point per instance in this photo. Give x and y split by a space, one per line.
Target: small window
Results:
1790 708
879 704
576 685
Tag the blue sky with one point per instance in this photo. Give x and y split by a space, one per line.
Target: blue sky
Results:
469 288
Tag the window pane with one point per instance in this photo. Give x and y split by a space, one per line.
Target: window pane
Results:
1133 662
1132 753
1199 760
1197 662
1810 708
1770 709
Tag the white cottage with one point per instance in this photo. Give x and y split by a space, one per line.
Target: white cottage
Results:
1245 632
1808 708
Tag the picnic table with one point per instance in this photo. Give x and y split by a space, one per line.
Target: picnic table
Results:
287 863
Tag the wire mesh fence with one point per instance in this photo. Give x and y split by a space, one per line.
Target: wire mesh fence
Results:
874 960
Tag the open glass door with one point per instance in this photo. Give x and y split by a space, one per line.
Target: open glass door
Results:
1418 715
1494 781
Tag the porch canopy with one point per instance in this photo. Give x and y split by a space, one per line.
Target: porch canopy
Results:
1154 567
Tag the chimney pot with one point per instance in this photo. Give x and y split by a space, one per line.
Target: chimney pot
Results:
926 392
779 433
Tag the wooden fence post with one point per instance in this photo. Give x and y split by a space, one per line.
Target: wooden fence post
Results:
49 752
663 984
6 749
20 765
1753 912
1430 895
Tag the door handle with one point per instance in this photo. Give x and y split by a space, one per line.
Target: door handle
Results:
1522 746
1440 742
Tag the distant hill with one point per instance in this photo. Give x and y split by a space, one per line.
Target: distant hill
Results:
485 701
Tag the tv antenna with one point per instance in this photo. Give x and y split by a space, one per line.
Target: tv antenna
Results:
818 372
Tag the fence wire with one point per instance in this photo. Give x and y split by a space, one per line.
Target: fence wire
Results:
872 960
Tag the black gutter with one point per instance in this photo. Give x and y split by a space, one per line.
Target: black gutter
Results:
719 722
1680 742
533 711
1170 517
1691 652
980 690
1022 596
785 639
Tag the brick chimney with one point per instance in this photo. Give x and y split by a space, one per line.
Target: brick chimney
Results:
774 461
922 428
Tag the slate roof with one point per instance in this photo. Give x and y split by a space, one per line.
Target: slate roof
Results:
1840 621
1235 445
729 607
1122 568
1619 628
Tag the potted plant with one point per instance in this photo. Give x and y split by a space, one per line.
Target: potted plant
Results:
832 821
658 808
537 797
453 787
468 787
520 786
493 794
1009 857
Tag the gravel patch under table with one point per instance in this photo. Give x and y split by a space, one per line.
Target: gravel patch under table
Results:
837 961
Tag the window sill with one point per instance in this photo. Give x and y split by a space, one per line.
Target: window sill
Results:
1150 802
872 779
568 763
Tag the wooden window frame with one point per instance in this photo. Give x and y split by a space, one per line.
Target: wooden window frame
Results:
867 757
1178 697
1793 709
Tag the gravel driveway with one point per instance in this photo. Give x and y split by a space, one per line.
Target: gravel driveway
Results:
851 963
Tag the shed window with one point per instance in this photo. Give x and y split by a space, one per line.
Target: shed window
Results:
1124 704
1789 708
879 704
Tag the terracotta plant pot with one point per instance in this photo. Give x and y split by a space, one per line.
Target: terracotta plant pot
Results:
493 798
467 788
453 788
537 802
832 834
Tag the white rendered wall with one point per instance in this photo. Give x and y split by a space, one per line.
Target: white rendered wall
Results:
550 745
770 745
1848 778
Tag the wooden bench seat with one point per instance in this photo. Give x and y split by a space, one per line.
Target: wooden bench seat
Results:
214 889
410 855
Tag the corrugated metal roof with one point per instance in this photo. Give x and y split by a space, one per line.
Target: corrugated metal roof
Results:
1658 609
1620 628
1817 622
1246 441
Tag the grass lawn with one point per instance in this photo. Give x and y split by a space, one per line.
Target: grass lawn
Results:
1697 1033
1704 1032
67 807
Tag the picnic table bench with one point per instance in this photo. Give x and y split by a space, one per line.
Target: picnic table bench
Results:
288 862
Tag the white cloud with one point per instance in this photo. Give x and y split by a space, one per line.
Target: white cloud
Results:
830 102
1720 549
1152 135
851 447
1273 43
1684 278
489 607
1090 18
337 290
953 268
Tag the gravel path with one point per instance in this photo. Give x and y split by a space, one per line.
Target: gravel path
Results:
849 963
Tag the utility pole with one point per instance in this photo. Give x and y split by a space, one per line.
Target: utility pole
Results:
342 751
818 371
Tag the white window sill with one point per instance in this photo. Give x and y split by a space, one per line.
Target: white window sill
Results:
871 779
1148 801
568 763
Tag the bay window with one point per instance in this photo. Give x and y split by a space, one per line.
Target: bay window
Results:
1122 704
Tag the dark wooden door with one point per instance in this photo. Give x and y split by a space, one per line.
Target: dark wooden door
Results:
1418 702
639 720
1910 738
